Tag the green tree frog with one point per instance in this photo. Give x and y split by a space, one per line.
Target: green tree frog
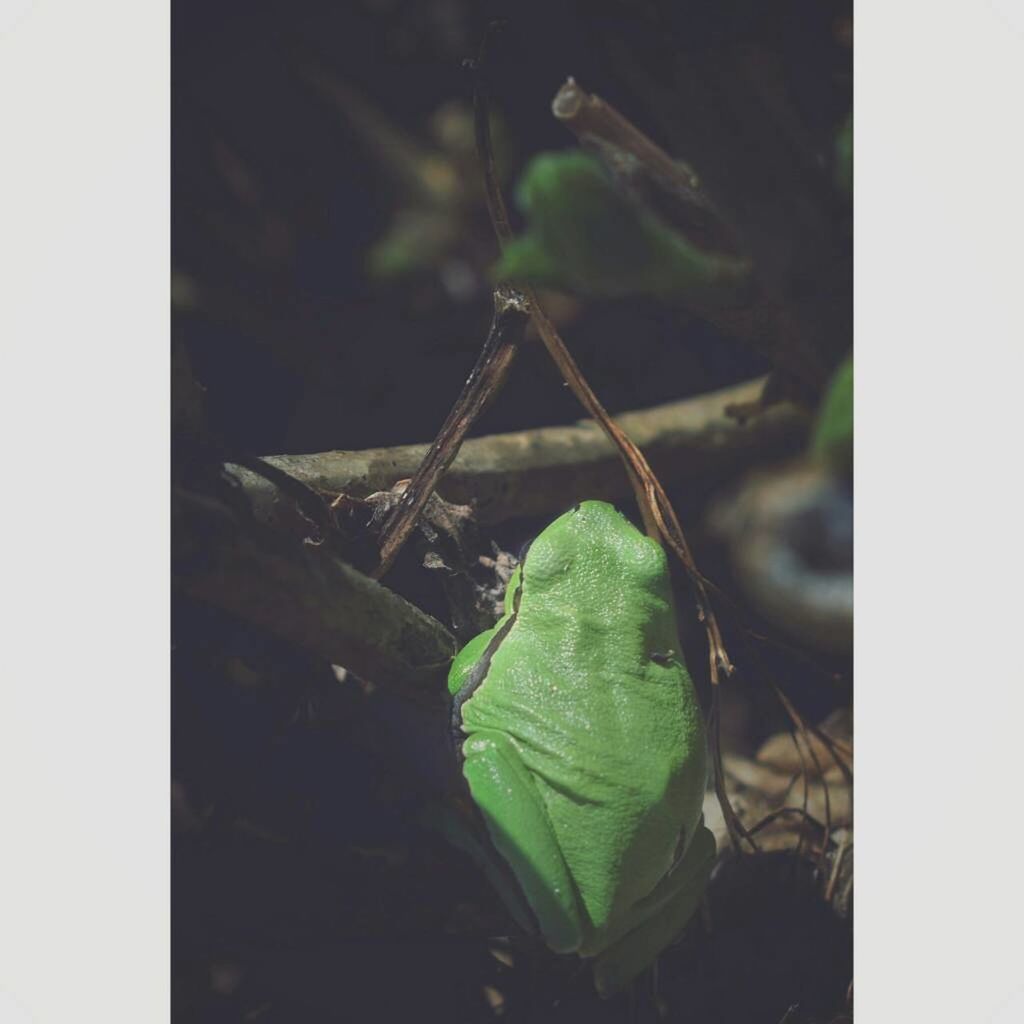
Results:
582 742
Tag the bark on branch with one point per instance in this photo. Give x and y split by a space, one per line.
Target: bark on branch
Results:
311 598
542 472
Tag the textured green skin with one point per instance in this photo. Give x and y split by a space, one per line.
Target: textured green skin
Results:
588 236
585 754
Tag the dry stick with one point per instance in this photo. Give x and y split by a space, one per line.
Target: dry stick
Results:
782 645
393 151
540 472
511 313
834 747
309 502
309 597
789 1013
830 889
785 812
659 517
588 116
737 830
498 211
658 514
806 786
485 380
798 720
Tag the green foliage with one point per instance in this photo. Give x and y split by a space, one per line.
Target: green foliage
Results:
417 240
588 236
833 434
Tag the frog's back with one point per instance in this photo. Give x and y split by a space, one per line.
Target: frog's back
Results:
594 693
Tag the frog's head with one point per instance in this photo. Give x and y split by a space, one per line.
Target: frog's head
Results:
592 536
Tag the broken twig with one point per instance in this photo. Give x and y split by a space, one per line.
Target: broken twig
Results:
484 382
659 517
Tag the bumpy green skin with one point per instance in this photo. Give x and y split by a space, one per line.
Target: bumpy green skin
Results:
585 748
587 236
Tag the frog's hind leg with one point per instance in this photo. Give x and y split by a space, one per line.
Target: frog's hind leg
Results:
671 904
521 831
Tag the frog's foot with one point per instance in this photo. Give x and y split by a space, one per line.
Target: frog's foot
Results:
662 914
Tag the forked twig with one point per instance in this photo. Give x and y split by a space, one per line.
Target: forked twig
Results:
511 314
801 725
659 517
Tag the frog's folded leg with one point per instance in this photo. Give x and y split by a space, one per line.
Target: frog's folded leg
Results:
521 831
678 894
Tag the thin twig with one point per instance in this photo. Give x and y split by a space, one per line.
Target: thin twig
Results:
834 746
496 205
310 503
834 877
511 315
764 323
806 784
737 831
786 812
798 720
485 380
589 117
655 507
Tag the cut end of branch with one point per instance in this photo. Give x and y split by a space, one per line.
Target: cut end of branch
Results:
568 100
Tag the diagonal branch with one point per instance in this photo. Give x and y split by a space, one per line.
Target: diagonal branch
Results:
541 472
484 382
593 120
305 595
659 517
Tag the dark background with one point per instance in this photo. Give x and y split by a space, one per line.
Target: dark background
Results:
277 198
302 888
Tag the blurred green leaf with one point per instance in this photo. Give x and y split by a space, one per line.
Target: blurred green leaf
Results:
418 239
586 235
833 434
